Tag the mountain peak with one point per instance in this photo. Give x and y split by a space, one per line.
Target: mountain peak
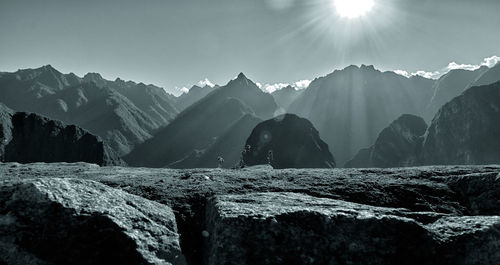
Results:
241 76
92 77
367 67
48 67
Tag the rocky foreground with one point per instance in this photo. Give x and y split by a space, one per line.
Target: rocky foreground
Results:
85 214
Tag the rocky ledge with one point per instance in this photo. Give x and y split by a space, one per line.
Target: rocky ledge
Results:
291 228
61 214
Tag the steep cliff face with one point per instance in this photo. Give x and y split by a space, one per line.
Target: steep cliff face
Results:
397 145
466 130
28 138
287 141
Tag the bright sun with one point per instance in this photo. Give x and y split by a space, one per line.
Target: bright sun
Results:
353 8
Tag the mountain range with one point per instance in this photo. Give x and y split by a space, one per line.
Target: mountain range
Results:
199 128
122 113
28 138
465 131
350 108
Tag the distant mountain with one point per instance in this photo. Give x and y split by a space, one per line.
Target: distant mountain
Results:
192 96
466 130
350 107
200 126
228 146
449 86
287 141
285 96
489 77
122 113
396 146
27 138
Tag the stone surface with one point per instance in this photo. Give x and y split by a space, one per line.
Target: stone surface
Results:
397 145
448 191
71 221
293 141
27 138
291 228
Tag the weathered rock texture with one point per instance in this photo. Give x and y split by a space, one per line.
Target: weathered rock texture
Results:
70 221
441 204
291 228
397 145
27 138
293 142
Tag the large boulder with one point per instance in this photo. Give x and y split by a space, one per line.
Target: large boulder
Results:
27 138
71 221
396 146
287 141
292 228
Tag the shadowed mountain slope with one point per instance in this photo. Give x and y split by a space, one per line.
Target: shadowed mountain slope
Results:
285 96
202 124
449 86
397 145
350 107
192 96
122 113
466 130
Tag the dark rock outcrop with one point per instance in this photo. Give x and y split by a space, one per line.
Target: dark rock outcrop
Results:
291 228
70 221
287 141
466 130
28 138
397 145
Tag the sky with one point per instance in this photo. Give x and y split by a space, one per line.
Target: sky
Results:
177 43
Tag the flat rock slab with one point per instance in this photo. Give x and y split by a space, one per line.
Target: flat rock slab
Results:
292 228
71 221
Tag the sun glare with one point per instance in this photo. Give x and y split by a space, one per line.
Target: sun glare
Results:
353 8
